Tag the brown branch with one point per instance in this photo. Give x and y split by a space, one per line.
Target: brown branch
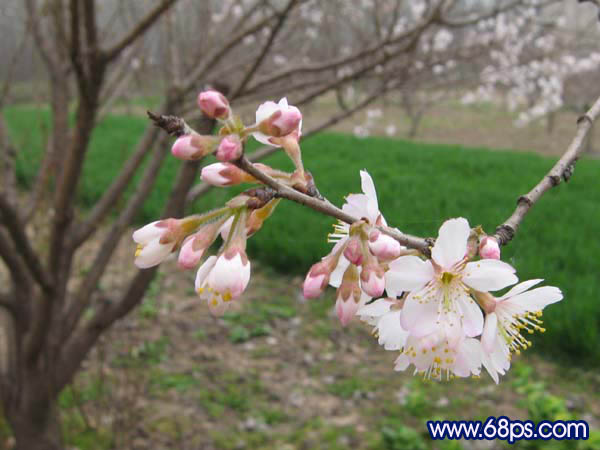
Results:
22 245
561 171
325 207
114 51
15 265
265 49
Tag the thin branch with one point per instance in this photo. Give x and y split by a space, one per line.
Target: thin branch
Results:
21 242
325 207
265 49
111 53
562 170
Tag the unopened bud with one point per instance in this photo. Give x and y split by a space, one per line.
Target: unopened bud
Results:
372 279
229 149
189 257
384 247
193 146
281 122
317 279
489 248
354 251
214 104
224 174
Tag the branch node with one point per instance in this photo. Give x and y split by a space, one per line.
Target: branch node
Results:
584 118
568 172
524 199
173 125
554 179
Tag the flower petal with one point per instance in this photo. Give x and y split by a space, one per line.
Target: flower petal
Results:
391 334
148 232
153 253
368 187
490 332
489 275
472 317
335 279
521 287
531 301
451 244
407 273
420 317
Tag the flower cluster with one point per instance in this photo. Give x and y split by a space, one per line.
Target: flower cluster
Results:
435 309
440 311
223 277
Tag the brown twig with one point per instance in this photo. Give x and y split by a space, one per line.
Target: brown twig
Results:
326 207
562 170
22 244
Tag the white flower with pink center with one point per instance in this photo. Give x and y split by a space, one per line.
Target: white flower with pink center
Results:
439 289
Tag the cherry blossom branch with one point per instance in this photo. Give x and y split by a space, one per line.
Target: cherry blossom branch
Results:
326 207
562 170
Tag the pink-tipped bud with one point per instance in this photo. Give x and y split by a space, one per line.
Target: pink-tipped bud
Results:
224 174
489 248
282 122
214 104
316 280
348 296
190 254
229 149
354 251
372 279
193 146
384 247
346 309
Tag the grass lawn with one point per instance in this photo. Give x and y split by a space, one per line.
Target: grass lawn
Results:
419 186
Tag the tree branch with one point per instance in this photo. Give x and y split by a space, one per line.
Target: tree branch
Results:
22 245
561 171
114 51
325 207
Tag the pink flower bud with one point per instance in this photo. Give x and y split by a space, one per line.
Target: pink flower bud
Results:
317 279
346 309
214 104
230 148
353 251
281 122
224 174
489 248
189 255
193 146
384 247
372 279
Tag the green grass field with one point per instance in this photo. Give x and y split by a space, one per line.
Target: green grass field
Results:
419 186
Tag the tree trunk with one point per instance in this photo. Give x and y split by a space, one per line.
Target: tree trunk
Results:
34 416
